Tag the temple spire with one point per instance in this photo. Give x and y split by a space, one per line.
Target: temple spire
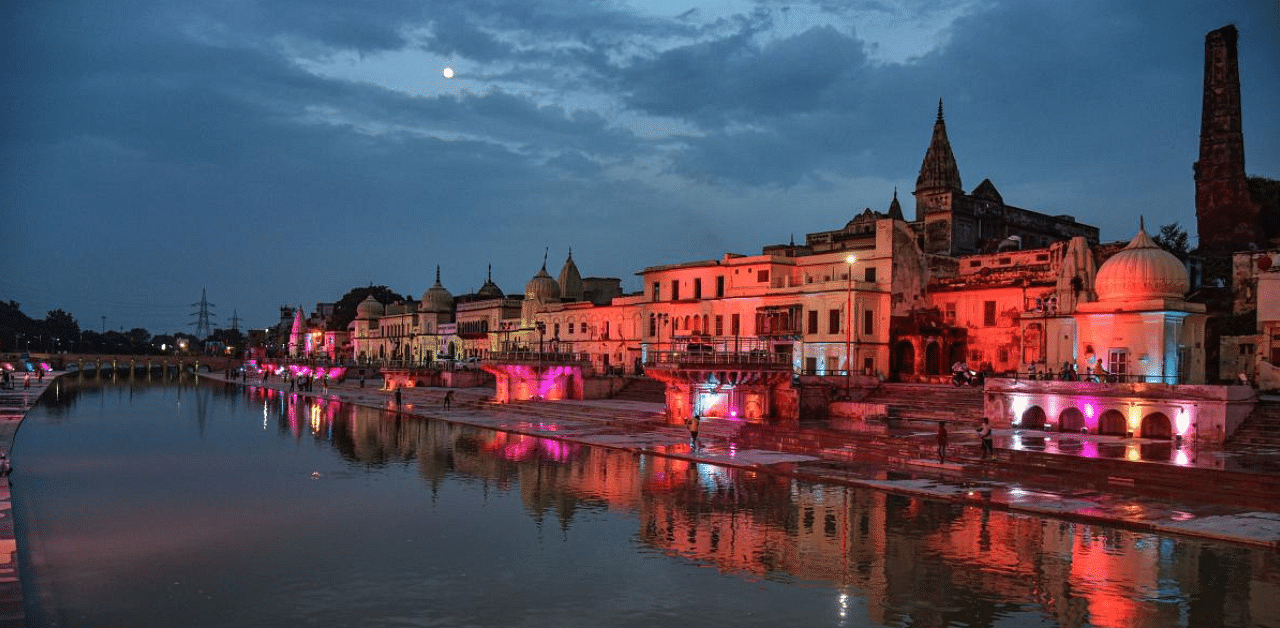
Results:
939 170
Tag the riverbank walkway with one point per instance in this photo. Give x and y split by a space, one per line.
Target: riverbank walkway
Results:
1027 476
1145 486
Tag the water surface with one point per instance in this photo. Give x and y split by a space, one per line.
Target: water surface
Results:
177 503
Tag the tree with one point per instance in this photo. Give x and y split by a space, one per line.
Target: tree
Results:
1173 238
62 330
344 311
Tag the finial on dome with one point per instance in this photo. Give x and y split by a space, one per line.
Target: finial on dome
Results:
437 273
1142 225
939 110
895 192
489 275
545 252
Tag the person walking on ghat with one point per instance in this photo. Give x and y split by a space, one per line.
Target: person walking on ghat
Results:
448 399
988 443
398 399
692 424
942 442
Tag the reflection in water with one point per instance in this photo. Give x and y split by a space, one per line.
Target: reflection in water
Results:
876 558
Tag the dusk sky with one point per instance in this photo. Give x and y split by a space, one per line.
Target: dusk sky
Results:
284 151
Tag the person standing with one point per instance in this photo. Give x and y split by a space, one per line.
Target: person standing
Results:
448 399
988 443
693 423
942 442
398 399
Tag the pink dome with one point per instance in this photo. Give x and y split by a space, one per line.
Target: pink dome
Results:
1142 271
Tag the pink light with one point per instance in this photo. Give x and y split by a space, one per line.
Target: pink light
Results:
1181 458
1183 422
1089 449
1088 410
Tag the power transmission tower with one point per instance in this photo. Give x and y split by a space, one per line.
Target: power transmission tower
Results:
235 321
202 316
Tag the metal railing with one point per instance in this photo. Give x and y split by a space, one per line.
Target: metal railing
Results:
755 359
510 357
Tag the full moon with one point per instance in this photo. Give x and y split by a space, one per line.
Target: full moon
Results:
448 73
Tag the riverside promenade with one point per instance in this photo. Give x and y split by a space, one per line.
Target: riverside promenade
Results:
1020 479
14 404
808 454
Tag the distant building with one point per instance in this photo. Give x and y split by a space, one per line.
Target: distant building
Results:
953 223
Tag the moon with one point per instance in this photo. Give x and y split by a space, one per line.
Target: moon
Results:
448 72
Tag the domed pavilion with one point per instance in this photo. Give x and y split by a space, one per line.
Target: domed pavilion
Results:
1141 328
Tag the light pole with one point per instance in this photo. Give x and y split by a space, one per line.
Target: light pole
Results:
848 329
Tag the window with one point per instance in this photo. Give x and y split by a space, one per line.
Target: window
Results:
556 333
1247 349
653 325
762 276
870 274
989 313
719 324
606 330
656 290
949 313
735 324
720 286
813 321
697 287
868 322
833 321
570 328
675 289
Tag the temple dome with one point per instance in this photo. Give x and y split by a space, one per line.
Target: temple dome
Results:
437 299
369 308
1142 271
490 290
542 287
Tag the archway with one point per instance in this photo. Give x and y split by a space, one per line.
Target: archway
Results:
1157 425
1033 418
1071 420
958 353
932 359
1112 422
904 358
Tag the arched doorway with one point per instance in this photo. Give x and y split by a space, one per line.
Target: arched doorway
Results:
1112 422
904 358
1071 420
932 359
958 353
1033 418
1157 425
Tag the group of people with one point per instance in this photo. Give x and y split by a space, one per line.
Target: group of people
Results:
984 433
6 381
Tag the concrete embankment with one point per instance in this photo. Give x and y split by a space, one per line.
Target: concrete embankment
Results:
14 404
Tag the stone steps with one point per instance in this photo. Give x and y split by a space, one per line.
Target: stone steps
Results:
642 389
929 402
1260 429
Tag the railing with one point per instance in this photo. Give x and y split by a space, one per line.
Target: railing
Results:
509 357
755 359
1106 378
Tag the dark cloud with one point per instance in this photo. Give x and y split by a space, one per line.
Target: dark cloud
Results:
149 149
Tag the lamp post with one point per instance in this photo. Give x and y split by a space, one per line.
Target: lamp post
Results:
542 329
848 329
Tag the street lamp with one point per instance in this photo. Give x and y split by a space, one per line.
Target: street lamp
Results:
848 329
542 329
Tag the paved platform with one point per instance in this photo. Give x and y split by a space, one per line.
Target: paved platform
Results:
964 477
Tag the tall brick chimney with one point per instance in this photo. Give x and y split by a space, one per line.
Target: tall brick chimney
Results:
1226 216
